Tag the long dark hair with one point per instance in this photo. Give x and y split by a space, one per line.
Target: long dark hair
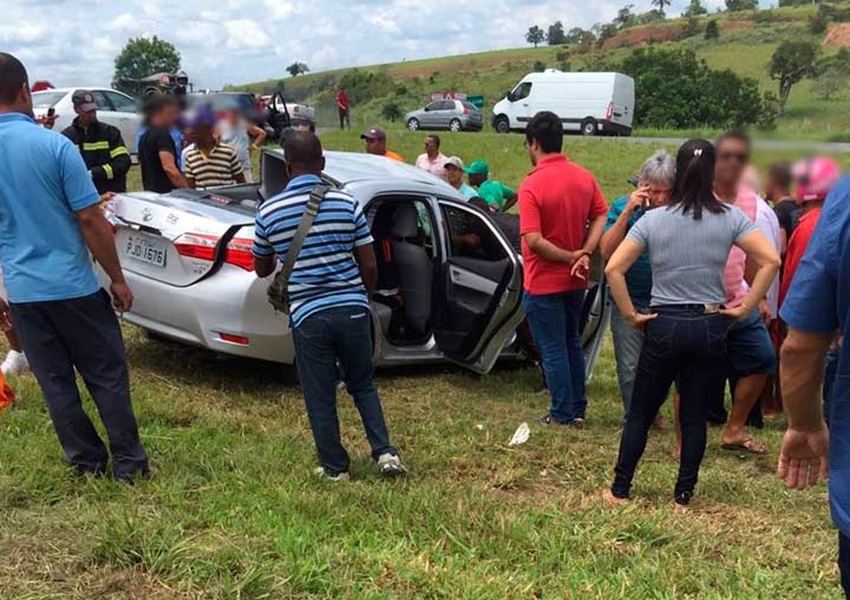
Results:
693 189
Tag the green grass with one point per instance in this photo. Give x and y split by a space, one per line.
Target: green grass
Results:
235 512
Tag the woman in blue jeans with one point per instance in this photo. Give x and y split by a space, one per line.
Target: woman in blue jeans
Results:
685 332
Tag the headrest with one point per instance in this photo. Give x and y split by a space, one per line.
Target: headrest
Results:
405 221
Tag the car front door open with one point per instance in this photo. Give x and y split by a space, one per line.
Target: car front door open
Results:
477 291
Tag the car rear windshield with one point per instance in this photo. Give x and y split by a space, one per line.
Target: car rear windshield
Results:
220 102
469 105
46 99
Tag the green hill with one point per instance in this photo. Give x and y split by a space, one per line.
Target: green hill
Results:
746 42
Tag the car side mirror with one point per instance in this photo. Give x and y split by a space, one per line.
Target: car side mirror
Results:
509 96
427 109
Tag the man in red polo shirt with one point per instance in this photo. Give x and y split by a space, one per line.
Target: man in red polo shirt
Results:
562 216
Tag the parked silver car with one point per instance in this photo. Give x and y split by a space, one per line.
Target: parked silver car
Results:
113 107
187 257
454 115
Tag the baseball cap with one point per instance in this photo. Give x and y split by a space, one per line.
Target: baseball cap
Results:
815 177
479 167
376 133
455 162
84 100
203 118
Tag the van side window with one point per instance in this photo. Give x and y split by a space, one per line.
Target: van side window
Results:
522 91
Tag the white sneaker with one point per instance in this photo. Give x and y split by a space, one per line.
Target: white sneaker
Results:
390 465
15 363
338 478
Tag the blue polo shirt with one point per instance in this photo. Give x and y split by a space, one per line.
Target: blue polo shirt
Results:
43 182
819 302
639 276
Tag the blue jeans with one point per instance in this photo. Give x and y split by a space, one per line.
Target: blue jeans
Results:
844 562
341 334
628 342
554 321
687 346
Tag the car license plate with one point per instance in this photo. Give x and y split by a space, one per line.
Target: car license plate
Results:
146 250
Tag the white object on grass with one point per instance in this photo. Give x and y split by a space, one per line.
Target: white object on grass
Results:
520 435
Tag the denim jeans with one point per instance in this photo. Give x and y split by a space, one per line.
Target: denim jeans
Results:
341 334
688 346
628 342
844 562
554 321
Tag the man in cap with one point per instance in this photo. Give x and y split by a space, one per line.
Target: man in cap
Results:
454 175
208 162
376 143
101 145
499 196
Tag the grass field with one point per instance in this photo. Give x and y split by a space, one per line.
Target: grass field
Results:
235 511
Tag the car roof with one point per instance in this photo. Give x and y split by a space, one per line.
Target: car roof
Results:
68 90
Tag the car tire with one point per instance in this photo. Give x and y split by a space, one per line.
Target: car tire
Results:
455 125
589 127
413 124
501 124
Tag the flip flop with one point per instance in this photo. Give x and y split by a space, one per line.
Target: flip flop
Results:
747 446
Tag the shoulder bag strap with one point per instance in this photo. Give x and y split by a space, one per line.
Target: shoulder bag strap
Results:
316 197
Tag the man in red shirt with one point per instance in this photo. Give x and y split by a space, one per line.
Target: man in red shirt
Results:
562 216
814 177
344 108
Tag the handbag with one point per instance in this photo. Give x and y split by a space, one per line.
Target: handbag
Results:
279 289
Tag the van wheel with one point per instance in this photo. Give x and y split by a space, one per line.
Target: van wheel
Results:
589 127
413 124
502 125
455 125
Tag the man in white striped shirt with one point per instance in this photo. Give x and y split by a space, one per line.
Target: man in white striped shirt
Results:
210 163
329 290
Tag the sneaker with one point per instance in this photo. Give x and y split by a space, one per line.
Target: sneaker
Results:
390 465
578 423
683 499
15 363
131 478
335 478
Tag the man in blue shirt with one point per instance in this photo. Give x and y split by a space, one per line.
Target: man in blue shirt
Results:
816 308
50 219
654 184
329 290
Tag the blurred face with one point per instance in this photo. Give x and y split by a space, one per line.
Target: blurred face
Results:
86 118
475 180
533 148
203 136
732 159
168 116
431 147
658 193
375 146
454 175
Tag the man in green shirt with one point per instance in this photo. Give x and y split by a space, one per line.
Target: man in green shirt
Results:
495 193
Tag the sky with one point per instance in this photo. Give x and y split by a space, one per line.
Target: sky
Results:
242 41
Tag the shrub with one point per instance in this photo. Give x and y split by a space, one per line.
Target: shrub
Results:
769 112
539 66
712 30
391 111
817 24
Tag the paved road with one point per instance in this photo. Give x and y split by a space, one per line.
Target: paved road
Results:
828 147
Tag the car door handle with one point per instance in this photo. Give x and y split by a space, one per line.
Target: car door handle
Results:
525 104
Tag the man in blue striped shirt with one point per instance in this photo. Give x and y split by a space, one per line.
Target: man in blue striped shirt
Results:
329 292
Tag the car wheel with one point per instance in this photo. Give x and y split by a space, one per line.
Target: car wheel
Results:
589 127
455 125
413 124
502 125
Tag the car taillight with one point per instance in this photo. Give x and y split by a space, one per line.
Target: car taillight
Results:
465 110
197 245
239 253
610 111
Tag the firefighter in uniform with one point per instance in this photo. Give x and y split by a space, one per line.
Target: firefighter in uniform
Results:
101 145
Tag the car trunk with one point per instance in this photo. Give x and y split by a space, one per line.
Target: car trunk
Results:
185 236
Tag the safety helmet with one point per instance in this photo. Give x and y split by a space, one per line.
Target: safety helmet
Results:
815 177
181 74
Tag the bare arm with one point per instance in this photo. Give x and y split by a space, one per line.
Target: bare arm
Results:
510 202
264 265
762 253
615 271
594 234
615 236
368 264
259 135
240 178
783 240
97 233
170 167
547 250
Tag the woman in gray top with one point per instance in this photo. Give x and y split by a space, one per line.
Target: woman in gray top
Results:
688 243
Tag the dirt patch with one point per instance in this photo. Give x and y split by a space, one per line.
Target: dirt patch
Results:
838 35
646 34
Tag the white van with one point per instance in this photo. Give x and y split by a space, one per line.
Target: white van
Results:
592 103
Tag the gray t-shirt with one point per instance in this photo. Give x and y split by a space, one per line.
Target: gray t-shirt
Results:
688 256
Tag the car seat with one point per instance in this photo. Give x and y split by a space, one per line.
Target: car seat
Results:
414 268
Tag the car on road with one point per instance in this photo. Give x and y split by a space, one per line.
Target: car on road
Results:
454 115
442 294
113 107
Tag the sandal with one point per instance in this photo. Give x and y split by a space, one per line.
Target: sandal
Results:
747 446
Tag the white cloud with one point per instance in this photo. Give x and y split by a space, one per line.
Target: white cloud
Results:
241 41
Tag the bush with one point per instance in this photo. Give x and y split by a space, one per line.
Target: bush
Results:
539 66
769 112
817 24
692 27
391 111
712 30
